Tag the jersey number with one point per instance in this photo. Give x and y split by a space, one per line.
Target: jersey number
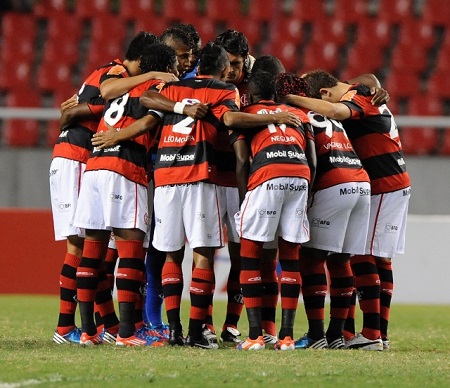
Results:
116 110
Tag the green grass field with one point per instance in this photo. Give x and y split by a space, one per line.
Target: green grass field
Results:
420 356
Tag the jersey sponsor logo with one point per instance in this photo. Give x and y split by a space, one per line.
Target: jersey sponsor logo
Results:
285 154
106 150
196 290
177 139
299 213
346 160
318 222
53 172
177 157
255 279
170 280
116 70
285 139
407 192
390 228
354 190
335 145
115 197
263 213
286 187
64 206
63 134
287 279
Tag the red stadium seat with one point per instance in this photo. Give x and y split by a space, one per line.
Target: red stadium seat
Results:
180 10
53 132
354 11
308 11
286 29
18 132
417 33
288 54
419 141
18 50
207 30
252 29
439 84
108 28
15 74
375 32
402 84
411 57
395 11
436 12
330 30
155 25
321 56
64 21
54 76
61 49
445 144
220 10
425 105
44 8
18 32
364 59
140 8
263 11
443 60
90 9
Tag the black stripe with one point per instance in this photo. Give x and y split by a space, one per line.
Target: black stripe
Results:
324 164
128 150
185 156
77 135
381 166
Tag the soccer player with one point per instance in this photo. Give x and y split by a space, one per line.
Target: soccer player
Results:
338 215
283 163
185 175
70 155
113 196
374 135
181 40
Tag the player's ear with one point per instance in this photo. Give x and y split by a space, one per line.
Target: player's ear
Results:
324 92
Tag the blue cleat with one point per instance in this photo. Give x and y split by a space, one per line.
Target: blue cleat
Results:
307 342
73 336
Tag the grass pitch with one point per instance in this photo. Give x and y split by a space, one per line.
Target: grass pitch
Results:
420 356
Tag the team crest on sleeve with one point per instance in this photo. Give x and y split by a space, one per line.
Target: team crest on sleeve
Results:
349 95
116 70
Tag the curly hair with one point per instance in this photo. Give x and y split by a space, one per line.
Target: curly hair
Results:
288 83
157 57
181 35
318 79
213 59
262 83
234 42
138 43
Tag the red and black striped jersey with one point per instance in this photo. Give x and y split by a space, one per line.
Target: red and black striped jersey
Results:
276 150
337 161
75 141
128 158
374 136
186 150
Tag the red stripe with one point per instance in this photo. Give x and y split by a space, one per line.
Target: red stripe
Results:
375 223
136 204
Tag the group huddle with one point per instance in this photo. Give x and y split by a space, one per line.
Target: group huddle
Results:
182 143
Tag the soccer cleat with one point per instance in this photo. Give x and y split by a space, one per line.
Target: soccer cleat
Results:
386 344
108 337
73 336
230 335
162 332
269 339
249 344
361 342
88 340
203 342
140 338
209 334
337 343
285 344
176 338
307 342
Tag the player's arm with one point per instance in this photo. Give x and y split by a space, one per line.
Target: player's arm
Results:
380 95
250 120
69 103
116 87
242 152
332 110
156 101
77 112
113 136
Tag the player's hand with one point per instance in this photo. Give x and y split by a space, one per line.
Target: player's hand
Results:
196 111
105 139
166 77
380 96
287 118
71 102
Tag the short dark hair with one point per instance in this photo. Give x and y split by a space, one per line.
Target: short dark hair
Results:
138 43
318 79
180 35
157 57
213 59
234 42
191 30
288 83
263 84
268 63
